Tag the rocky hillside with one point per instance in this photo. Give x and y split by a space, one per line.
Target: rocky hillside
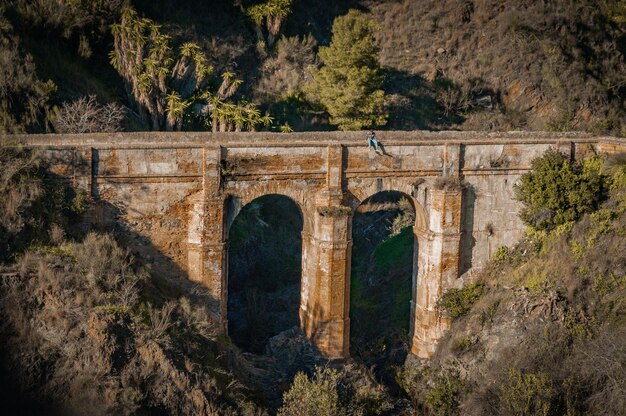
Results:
511 65
457 64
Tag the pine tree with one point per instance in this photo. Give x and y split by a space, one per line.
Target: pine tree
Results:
349 84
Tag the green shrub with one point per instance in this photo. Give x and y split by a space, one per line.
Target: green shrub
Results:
488 314
436 391
317 396
501 256
578 323
411 379
370 400
577 249
443 396
527 394
539 282
608 283
557 190
462 344
458 302
79 202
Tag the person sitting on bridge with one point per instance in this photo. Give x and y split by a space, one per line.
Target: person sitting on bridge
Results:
373 143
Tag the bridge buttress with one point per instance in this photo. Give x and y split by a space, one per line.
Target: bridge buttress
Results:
207 243
438 269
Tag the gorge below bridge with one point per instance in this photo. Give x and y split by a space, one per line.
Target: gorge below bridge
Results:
178 194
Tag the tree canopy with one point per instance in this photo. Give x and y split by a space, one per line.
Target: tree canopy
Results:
272 14
165 86
349 85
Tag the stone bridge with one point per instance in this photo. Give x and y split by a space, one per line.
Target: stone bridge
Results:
178 193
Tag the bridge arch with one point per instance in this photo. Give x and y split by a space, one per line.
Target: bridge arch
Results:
421 217
420 230
242 193
263 276
359 190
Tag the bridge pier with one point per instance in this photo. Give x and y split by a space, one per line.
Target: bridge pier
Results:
325 297
208 258
437 269
207 243
326 255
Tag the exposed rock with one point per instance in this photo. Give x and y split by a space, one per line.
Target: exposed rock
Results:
293 352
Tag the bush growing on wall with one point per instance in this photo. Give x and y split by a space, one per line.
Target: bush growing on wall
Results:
558 190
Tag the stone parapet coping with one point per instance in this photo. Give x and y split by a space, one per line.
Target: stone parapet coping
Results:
299 139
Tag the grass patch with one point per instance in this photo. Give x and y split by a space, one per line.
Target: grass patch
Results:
359 302
401 306
394 250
